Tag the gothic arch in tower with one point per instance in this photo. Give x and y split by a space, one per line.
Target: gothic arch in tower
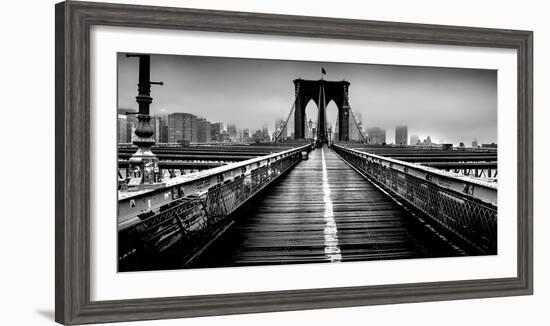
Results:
321 92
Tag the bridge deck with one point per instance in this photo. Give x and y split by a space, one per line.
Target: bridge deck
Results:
321 211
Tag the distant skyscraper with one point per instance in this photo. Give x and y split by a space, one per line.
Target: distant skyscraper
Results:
182 127
257 137
232 130
414 139
239 135
204 132
215 131
401 136
131 123
474 143
225 137
376 135
194 129
246 135
155 125
163 137
122 129
265 131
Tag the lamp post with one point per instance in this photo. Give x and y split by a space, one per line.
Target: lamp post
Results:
144 170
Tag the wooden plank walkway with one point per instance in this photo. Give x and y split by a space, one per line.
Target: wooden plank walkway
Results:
321 211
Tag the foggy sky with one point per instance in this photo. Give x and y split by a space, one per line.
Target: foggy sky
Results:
447 104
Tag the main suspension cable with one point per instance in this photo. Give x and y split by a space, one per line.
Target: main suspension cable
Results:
288 117
355 120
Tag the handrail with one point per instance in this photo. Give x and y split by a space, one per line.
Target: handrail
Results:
465 206
484 190
132 203
191 177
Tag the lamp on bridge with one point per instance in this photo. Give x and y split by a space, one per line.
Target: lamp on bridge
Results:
144 170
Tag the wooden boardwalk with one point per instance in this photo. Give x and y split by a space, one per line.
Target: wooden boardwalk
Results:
321 211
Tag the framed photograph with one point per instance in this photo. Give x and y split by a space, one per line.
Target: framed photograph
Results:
216 162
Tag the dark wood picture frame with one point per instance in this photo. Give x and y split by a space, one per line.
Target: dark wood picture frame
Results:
72 179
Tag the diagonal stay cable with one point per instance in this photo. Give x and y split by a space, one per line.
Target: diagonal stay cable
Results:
288 117
355 120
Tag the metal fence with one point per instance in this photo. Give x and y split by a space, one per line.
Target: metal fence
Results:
463 205
190 218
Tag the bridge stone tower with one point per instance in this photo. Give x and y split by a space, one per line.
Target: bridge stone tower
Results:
321 92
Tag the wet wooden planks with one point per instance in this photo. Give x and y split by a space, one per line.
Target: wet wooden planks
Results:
321 211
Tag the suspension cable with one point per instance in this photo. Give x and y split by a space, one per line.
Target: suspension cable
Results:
337 125
289 115
306 126
355 120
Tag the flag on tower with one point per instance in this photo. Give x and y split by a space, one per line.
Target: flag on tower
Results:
323 71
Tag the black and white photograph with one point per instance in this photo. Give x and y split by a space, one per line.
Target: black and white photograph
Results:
239 162
262 163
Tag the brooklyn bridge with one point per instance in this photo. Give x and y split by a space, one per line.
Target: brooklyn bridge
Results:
317 198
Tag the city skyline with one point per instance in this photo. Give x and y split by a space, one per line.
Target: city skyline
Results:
376 135
448 104
180 127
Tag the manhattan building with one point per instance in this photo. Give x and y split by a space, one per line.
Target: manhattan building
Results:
182 127
204 132
414 140
376 135
401 136
127 123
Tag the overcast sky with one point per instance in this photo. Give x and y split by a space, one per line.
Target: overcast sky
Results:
447 104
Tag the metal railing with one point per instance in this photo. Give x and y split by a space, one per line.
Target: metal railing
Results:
463 205
189 210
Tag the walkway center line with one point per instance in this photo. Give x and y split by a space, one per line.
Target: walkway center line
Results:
332 248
